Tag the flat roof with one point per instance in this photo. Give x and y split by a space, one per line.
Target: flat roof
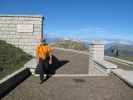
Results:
20 15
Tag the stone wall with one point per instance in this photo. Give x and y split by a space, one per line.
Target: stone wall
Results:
21 31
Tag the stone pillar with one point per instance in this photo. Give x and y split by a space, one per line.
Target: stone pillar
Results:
96 54
96 51
96 59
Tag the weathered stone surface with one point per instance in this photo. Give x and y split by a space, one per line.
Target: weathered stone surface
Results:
25 28
23 37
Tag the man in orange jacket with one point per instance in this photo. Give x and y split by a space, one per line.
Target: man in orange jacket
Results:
44 59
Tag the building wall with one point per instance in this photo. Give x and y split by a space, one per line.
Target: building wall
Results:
21 31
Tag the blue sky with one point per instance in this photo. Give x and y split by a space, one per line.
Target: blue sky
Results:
82 19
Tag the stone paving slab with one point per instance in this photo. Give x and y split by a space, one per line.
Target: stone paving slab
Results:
85 88
125 75
76 63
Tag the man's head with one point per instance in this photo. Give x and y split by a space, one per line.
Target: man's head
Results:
43 41
40 39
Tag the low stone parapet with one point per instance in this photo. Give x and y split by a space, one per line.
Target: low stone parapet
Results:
118 60
107 66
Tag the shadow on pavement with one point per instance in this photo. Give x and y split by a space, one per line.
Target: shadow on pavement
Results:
55 66
13 82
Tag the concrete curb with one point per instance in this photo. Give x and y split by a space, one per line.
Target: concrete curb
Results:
11 75
11 81
125 75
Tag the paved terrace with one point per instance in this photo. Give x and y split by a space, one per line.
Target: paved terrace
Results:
74 87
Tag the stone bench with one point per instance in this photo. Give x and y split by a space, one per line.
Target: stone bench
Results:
107 66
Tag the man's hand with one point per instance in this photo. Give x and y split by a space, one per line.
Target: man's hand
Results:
37 60
50 61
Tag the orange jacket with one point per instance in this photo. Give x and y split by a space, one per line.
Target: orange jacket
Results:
43 51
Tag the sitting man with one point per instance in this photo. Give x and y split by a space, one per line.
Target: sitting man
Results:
44 59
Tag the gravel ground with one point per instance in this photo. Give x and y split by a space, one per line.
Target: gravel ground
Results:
72 88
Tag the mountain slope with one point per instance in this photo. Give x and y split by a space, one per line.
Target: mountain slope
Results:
120 50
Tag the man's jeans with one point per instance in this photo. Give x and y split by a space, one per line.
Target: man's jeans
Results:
43 68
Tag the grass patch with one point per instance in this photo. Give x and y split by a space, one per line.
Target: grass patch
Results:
11 58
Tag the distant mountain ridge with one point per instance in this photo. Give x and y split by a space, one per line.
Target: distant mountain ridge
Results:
119 50
88 41
124 48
